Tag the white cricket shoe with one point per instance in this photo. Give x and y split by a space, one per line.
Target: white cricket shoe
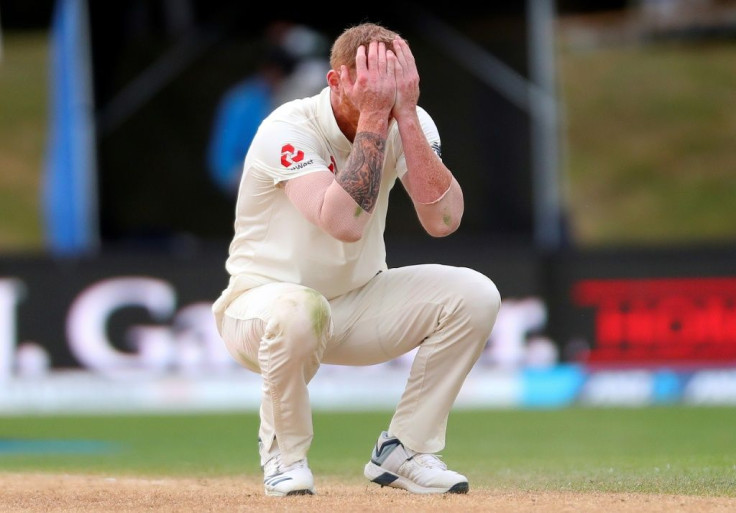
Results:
282 480
394 465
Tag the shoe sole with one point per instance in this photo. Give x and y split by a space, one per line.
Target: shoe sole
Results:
275 493
382 477
300 492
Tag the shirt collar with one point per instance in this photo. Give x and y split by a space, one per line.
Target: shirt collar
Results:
328 123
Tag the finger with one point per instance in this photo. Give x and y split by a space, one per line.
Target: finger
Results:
392 64
360 59
404 53
409 57
399 50
382 60
372 55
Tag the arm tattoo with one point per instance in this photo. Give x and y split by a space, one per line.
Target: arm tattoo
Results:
361 176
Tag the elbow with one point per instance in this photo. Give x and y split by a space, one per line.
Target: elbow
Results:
442 228
441 225
442 217
348 237
443 232
340 217
347 233
345 228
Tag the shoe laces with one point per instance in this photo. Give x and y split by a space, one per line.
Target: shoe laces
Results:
428 460
274 466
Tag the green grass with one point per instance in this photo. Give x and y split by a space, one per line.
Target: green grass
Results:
23 113
650 157
680 450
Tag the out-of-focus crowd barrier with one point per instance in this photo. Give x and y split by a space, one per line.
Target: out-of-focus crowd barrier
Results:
133 331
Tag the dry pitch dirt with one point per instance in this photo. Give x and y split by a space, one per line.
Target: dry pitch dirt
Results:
79 493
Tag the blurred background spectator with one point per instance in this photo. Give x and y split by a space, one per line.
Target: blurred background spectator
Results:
293 64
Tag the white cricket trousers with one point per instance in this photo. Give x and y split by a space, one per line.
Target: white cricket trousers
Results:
285 331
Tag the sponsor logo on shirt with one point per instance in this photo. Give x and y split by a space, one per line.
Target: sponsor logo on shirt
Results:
301 165
291 156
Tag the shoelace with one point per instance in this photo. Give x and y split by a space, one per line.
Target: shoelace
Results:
430 461
274 466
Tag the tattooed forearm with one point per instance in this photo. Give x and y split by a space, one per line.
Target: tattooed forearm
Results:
361 176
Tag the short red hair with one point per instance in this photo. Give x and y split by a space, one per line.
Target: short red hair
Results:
346 45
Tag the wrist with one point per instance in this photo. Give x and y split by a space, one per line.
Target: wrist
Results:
375 121
407 114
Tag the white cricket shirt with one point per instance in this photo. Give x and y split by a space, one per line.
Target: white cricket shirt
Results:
273 241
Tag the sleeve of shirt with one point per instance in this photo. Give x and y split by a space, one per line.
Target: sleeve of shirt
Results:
430 131
283 151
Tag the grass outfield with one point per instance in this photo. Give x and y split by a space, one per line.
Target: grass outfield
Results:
669 450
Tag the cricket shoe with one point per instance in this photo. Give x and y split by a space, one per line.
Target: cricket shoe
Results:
394 465
281 480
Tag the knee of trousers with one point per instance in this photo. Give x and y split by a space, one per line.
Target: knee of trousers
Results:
480 299
301 321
